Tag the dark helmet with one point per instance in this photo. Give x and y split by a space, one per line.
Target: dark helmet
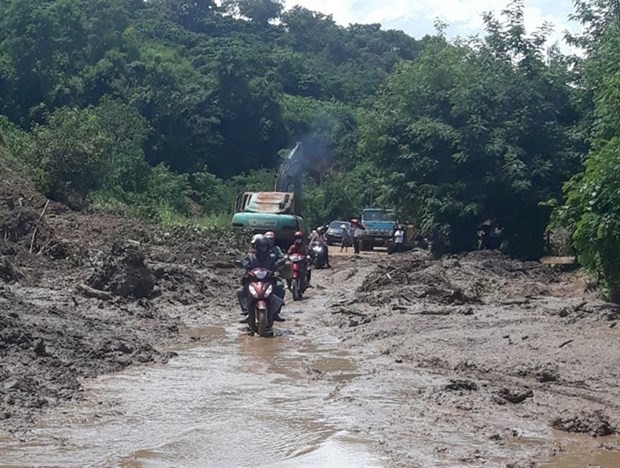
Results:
271 236
263 245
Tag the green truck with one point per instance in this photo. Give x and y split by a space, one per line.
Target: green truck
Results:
278 211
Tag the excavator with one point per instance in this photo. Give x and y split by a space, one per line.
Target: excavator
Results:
278 211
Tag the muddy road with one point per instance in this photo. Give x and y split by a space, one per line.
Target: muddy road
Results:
226 399
389 361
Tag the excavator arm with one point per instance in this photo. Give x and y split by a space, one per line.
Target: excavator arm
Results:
290 175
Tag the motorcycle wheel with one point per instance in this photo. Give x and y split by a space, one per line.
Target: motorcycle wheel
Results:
262 322
252 319
296 289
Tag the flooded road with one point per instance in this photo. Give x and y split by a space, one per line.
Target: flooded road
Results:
232 400
340 385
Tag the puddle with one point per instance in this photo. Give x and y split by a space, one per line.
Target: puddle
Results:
584 451
228 399
339 369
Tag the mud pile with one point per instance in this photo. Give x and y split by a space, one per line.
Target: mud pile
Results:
124 274
474 278
485 343
83 294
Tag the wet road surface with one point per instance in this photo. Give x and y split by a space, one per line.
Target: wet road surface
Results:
232 400
301 399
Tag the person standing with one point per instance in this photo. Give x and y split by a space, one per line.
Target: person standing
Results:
346 238
358 230
399 238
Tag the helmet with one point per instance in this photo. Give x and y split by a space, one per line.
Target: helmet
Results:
263 245
314 232
298 235
255 237
343 226
271 236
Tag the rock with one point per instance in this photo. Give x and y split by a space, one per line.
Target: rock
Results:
515 395
595 424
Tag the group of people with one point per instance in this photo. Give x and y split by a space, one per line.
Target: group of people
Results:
266 254
351 236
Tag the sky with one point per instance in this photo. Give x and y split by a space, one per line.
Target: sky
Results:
464 17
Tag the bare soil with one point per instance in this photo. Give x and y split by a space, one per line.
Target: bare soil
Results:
478 357
465 360
83 294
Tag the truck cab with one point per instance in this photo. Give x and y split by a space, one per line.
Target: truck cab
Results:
379 224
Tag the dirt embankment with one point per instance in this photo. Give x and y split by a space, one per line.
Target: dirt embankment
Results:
481 351
83 294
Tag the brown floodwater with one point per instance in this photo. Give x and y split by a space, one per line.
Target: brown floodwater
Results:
230 401
300 399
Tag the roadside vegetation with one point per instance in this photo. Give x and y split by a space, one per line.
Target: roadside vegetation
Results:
168 109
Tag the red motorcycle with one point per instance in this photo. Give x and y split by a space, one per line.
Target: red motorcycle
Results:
299 279
261 301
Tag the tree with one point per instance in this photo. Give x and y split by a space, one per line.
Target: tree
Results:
474 131
592 208
79 151
259 11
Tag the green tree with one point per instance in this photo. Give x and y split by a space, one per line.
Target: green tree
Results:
79 151
592 209
476 130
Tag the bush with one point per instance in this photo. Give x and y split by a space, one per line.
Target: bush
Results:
592 213
79 151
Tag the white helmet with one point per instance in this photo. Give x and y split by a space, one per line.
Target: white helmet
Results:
255 237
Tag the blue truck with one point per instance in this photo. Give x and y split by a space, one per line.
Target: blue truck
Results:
380 225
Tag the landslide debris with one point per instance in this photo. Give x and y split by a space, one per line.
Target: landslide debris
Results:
515 341
594 423
124 274
142 281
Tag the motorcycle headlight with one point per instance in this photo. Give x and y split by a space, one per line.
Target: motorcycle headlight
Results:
253 291
269 290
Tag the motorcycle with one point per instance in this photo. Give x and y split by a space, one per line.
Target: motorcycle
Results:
299 277
319 254
262 303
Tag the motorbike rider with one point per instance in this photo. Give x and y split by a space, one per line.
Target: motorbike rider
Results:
320 239
314 236
261 257
299 247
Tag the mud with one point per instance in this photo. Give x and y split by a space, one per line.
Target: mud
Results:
52 334
401 360
479 357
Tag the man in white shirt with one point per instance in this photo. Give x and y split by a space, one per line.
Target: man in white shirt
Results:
399 239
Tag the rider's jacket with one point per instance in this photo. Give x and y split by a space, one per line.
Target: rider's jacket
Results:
267 261
300 249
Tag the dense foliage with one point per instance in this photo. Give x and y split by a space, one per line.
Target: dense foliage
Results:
210 88
167 108
592 210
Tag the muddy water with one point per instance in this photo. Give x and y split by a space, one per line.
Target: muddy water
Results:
232 400
582 450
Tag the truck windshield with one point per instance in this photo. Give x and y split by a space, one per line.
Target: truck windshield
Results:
378 215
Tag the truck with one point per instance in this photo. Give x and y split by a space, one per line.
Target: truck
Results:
380 225
278 211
